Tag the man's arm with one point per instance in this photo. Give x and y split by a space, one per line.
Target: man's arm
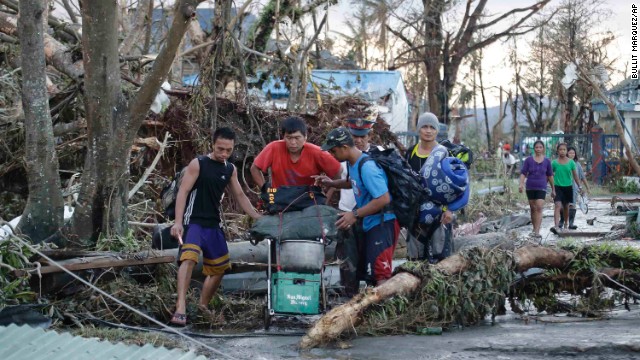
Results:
257 175
186 184
323 180
241 197
373 207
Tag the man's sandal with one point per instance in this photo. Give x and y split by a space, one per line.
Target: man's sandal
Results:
179 319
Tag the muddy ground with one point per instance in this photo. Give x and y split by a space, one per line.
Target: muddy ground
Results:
532 336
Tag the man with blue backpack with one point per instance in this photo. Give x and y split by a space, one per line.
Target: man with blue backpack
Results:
371 190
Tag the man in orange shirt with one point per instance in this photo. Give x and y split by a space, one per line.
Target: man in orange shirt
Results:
293 161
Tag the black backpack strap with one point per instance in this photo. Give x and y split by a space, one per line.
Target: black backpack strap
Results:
366 158
386 208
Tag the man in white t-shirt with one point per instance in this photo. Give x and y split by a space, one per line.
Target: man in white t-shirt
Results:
350 249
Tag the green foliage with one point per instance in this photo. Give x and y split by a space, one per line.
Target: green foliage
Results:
620 185
126 243
482 288
602 255
581 280
14 289
464 298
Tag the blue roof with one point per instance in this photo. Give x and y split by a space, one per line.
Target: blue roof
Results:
371 85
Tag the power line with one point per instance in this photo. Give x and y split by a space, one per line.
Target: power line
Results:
162 325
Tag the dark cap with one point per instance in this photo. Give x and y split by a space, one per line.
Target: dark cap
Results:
360 127
337 137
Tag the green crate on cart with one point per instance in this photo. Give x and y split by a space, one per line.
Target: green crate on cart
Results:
296 293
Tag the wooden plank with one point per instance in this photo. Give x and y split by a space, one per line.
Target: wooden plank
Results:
101 263
70 254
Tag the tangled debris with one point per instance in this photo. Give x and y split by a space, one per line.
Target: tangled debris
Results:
442 300
466 287
152 291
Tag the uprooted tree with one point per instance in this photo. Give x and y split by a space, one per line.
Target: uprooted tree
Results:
100 89
465 288
113 115
427 41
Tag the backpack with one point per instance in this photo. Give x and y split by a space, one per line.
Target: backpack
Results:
169 194
407 193
459 151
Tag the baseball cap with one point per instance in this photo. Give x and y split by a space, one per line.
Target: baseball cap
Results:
359 126
506 147
337 137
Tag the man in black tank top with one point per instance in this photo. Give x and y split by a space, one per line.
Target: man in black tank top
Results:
198 205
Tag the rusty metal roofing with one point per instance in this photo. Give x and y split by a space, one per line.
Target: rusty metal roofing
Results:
25 342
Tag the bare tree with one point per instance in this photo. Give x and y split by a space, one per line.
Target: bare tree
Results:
359 36
380 15
136 32
589 77
442 52
571 35
484 102
537 84
113 120
43 214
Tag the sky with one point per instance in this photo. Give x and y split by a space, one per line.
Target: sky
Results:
497 71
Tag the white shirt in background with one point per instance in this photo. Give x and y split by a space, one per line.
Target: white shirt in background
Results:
347 198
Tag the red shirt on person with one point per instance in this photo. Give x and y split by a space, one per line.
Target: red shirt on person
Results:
313 161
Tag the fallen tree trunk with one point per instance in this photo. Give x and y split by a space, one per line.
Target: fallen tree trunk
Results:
103 263
244 257
502 240
342 318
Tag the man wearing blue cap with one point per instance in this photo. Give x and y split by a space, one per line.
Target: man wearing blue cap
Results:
371 190
351 248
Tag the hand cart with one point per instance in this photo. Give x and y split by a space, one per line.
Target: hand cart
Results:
296 286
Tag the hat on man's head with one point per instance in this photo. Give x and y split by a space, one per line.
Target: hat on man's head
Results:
337 137
506 147
360 127
429 119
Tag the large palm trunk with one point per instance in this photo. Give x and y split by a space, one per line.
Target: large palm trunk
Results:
43 214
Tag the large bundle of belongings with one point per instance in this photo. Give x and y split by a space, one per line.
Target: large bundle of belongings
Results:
446 181
313 222
295 212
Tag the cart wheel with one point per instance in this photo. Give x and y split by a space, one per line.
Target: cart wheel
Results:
267 317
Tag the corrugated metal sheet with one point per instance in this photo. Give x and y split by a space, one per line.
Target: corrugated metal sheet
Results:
25 342
369 84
